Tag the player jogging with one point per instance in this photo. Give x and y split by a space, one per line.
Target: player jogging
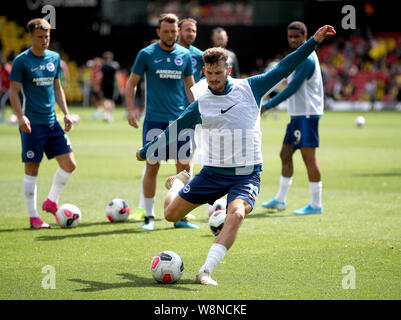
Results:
304 94
36 73
229 147
165 65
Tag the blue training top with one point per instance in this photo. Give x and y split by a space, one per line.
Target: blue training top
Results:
304 71
197 64
164 72
36 75
259 84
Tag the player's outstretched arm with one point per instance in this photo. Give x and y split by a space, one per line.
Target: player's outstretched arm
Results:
323 32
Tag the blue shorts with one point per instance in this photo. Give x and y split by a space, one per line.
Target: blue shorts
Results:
208 186
180 149
44 138
302 132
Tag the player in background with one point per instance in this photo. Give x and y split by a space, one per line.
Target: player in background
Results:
224 108
36 72
166 66
186 37
107 80
305 107
220 39
275 90
5 69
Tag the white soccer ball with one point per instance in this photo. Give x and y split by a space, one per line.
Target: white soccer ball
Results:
167 267
216 221
117 210
219 204
68 216
360 121
12 119
75 118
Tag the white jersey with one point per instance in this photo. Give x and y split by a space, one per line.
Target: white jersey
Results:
229 135
308 100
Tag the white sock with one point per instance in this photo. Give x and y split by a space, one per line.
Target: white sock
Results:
285 184
141 196
60 179
30 191
214 257
316 194
148 206
177 185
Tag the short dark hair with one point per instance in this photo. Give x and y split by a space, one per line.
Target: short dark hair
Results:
168 17
299 26
38 23
215 55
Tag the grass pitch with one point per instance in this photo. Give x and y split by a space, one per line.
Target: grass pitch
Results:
351 251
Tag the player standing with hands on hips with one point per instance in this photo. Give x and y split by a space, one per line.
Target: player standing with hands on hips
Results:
224 106
304 94
37 72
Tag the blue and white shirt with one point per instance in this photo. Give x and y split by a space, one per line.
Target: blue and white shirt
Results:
197 64
163 72
304 92
36 75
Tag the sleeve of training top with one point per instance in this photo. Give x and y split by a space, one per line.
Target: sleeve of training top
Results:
139 66
59 71
188 119
17 71
188 70
260 84
304 71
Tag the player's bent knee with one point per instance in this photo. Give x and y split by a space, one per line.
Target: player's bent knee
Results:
235 216
170 215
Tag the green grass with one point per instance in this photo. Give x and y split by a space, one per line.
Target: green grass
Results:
276 255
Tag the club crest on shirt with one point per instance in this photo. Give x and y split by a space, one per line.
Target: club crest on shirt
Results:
178 61
50 67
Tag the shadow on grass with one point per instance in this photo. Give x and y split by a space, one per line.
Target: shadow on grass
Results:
267 214
133 282
392 173
93 234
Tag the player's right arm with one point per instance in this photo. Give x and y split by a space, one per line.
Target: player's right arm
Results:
24 123
130 92
188 119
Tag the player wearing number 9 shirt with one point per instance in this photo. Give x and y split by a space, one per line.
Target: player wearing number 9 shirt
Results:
304 95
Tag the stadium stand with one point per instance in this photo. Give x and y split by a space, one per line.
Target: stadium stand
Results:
14 39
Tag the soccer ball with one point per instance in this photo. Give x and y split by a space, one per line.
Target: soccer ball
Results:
117 210
75 118
68 216
216 221
167 267
360 121
219 204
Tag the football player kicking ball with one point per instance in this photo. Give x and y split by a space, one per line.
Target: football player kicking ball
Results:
37 72
227 110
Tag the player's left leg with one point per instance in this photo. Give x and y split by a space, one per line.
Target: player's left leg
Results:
67 165
236 212
241 199
315 183
58 146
